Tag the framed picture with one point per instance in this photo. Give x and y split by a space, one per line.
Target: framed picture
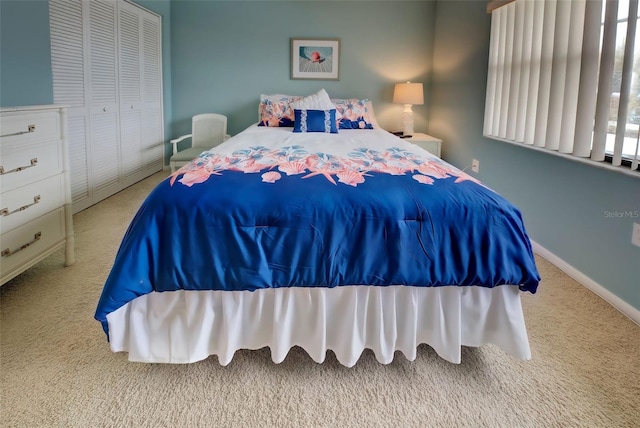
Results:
315 59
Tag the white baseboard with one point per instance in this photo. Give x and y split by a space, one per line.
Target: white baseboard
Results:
608 296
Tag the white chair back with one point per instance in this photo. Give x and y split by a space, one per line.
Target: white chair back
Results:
208 129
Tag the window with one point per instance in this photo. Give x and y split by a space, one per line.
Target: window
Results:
564 76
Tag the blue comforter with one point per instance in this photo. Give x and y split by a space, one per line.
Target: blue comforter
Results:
287 215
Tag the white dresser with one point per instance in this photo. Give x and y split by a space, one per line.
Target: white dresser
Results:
35 195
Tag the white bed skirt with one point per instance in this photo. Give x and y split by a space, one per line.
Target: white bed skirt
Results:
188 326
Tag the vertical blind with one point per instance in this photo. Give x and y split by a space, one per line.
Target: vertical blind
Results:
564 75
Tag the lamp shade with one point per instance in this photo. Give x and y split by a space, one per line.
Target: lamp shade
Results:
408 93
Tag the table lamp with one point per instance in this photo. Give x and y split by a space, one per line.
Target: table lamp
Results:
408 94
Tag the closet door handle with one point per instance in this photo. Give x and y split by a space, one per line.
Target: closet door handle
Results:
105 109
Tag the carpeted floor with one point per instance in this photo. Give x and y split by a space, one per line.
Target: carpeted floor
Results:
57 369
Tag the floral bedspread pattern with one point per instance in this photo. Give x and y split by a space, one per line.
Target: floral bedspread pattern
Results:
295 160
269 209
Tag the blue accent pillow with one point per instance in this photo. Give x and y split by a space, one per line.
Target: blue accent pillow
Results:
315 121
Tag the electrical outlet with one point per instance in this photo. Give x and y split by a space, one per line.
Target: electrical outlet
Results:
635 235
475 165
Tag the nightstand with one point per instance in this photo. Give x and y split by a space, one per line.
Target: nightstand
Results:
431 144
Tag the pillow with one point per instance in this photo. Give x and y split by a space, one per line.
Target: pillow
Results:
275 110
318 101
372 115
315 121
355 113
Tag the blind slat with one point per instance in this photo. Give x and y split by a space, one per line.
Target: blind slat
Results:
516 69
546 62
534 76
507 69
604 81
492 75
558 74
588 79
525 10
501 15
572 81
625 85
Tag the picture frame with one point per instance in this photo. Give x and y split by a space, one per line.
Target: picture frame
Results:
315 59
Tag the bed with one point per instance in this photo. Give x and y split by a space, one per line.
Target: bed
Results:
342 241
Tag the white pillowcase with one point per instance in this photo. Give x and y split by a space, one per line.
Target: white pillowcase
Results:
318 101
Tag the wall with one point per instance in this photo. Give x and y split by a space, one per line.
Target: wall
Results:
567 206
26 77
25 53
226 53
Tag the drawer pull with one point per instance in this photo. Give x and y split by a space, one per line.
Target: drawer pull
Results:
7 252
5 211
30 128
34 162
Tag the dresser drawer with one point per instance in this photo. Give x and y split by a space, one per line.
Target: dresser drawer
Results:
30 240
33 127
26 164
26 203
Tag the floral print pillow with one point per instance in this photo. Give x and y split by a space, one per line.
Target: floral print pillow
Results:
274 110
354 112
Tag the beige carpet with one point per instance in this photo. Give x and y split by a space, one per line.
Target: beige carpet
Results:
57 369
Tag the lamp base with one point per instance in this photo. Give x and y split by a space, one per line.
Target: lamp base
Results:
407 121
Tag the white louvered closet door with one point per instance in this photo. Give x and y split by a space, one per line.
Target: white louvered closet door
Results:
140 93
130 58
106 58
103 101
152 111
68 64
